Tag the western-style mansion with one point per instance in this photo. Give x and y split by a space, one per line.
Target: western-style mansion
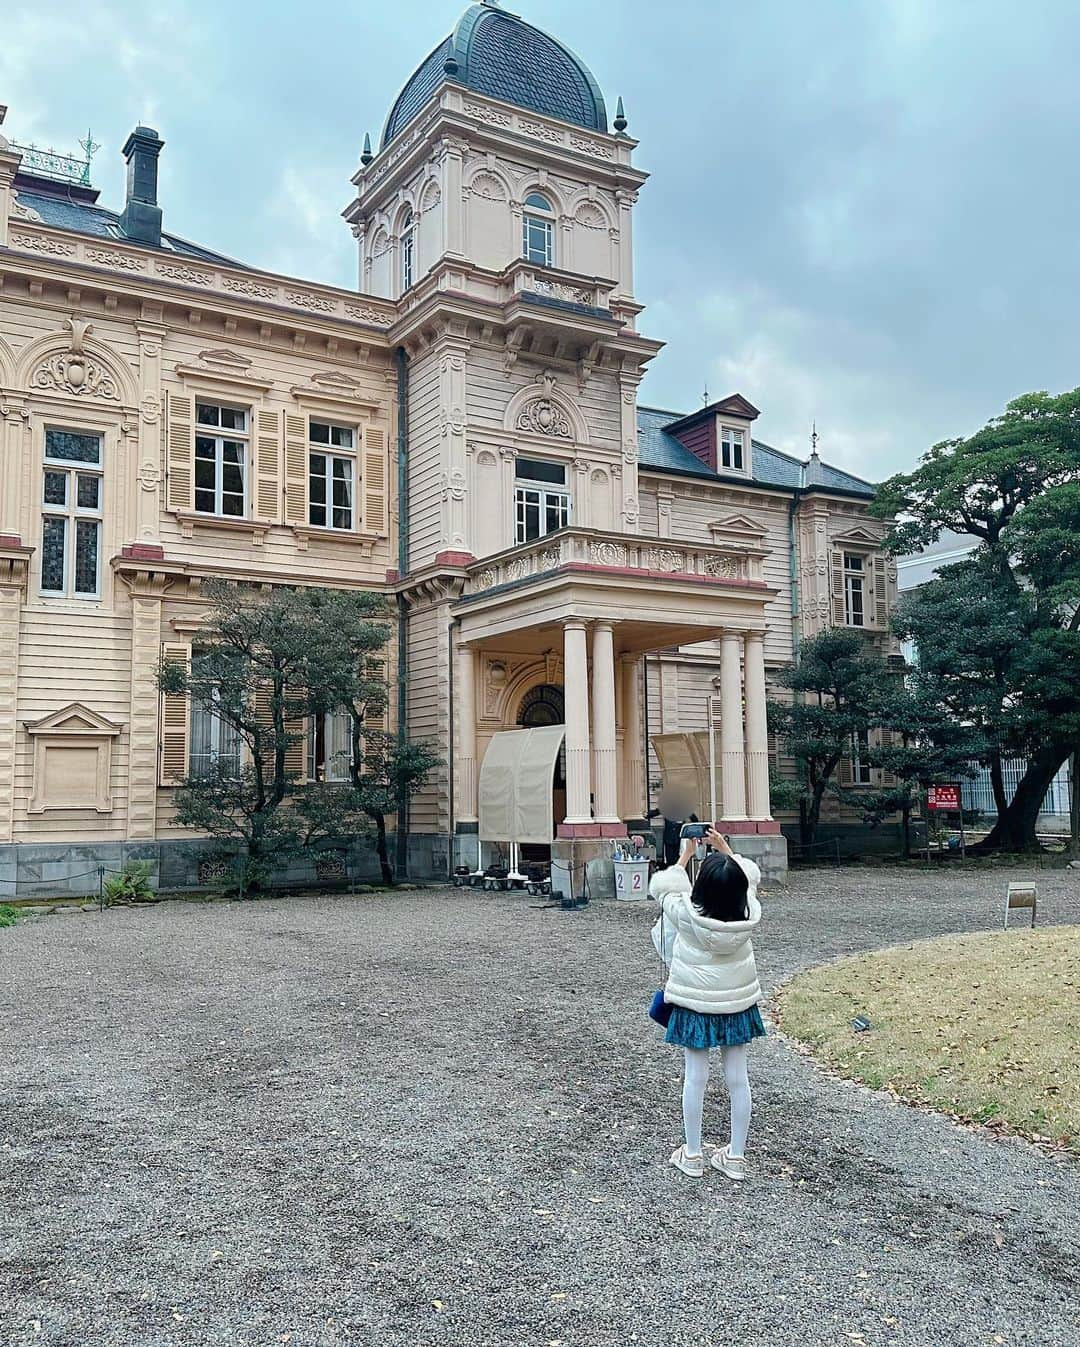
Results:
462 432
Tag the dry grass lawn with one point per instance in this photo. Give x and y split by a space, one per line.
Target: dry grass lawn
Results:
986 1027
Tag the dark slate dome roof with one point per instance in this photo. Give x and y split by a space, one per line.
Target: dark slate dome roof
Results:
500 55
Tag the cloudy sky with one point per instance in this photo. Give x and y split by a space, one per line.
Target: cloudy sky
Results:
861 211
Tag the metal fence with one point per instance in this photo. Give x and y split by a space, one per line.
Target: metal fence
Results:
978 796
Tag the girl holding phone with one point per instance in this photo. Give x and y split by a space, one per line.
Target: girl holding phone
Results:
713 987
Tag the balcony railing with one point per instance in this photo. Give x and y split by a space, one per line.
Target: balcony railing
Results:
616 552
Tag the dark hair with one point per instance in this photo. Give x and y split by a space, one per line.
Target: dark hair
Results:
721 890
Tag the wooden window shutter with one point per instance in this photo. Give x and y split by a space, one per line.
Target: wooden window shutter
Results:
180 438
889 739
296 469
175 723
375 484
839 608
846 769
378 719
268 465
881 592
296 755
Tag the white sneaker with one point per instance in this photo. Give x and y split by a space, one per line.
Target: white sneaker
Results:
734 1166
694 1165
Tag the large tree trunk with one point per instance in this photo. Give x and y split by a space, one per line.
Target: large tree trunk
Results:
997 784
382 849
1015 826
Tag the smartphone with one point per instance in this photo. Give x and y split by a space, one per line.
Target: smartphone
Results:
694 830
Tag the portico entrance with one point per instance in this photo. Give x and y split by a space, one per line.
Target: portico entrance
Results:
564 602
545 704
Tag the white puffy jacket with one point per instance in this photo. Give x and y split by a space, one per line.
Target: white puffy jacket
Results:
712 967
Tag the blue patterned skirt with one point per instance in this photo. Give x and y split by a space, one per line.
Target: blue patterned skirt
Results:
692 1029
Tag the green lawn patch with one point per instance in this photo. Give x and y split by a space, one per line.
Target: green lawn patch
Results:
8 915
985 1027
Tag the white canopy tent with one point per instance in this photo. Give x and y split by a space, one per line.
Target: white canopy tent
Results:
515 788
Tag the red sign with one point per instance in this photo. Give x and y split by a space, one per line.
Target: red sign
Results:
945 797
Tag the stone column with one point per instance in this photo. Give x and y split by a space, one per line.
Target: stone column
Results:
576 682
455 489
145 700
757 731
465 700
627 503
633 748
732 758
603 707
452 154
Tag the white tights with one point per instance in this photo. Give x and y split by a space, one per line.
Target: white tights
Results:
696 1077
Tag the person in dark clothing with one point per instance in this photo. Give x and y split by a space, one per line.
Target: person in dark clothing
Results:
675 814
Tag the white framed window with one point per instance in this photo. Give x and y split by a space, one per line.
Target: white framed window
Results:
221 459
330 747
854 589
733 450
538 231
408 252
861 771
331 476
541 500
215 744
72 488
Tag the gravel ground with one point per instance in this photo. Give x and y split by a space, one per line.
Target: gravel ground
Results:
444 1119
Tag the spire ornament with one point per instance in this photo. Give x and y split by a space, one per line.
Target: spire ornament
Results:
366 156
620 123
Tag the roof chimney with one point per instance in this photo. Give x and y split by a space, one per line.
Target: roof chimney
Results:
141 218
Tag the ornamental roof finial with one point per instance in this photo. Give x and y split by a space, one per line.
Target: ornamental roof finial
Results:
620 122
366 156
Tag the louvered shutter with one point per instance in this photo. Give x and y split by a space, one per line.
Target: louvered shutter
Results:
375 482
888 739
296 469
264 718
378 718
268 465
296 755
845 769
175 723
881 593
180 492
839 614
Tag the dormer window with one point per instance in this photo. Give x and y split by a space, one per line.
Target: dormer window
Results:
408 252
538 226
733 457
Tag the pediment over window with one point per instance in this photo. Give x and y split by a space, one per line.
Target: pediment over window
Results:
738 528
737 405
858 537
72 760
75 719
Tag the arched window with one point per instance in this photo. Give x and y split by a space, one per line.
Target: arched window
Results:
408 251
546 705
538 229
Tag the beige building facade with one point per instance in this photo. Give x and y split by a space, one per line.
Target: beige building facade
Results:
463 432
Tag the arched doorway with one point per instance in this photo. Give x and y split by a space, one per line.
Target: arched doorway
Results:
545 704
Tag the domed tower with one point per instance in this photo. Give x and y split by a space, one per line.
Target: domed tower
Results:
498 147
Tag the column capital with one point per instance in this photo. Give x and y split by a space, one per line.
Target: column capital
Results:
575 624
603 624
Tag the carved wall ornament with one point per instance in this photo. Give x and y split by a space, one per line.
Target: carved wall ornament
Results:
517 569
150 407
253 289
726 567
454 486
189 275
485 114
39 243
122 261
551 558
608 554
362 314
74 371
542 416
305 299
21 212
149 475
486 579
669 560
